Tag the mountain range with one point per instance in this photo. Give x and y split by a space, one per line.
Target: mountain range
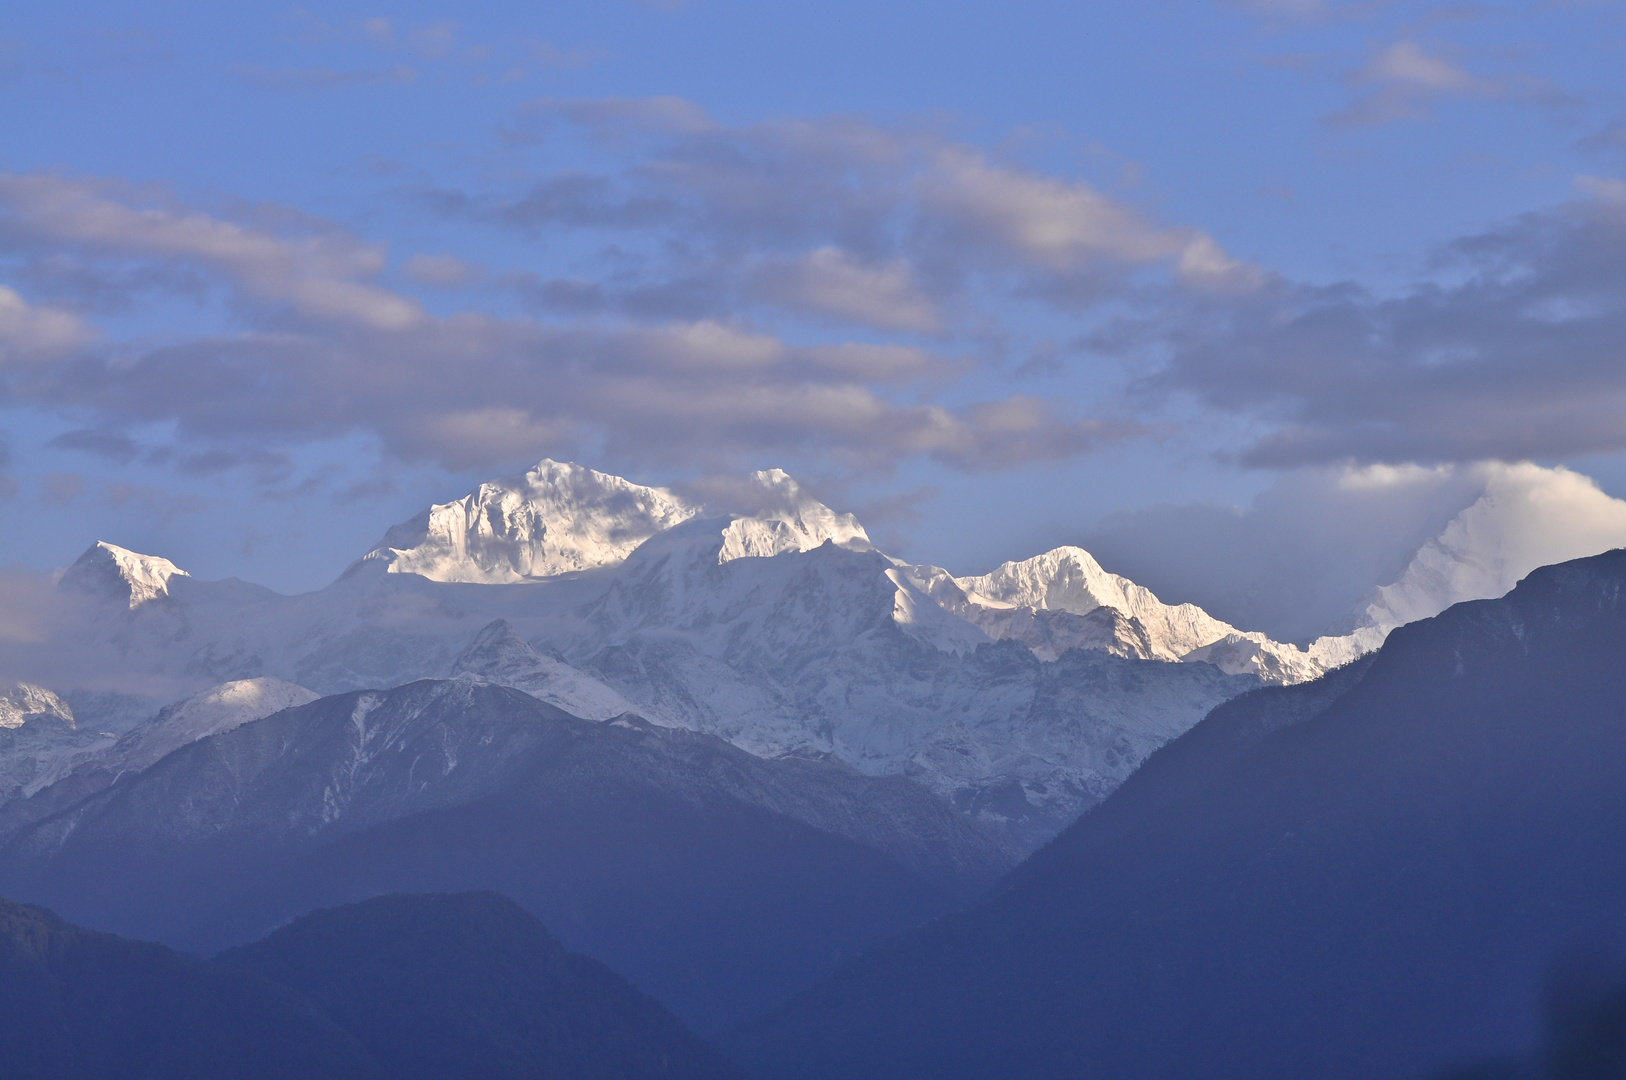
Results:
1367 875
1022 696
717 880
441 986
738 754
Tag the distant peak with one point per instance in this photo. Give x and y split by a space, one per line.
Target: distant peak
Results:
560 517
555 518
112 571
788 519
22 703
495 648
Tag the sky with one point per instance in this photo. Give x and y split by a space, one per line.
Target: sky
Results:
1248 297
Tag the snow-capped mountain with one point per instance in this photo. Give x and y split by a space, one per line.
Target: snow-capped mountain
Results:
499 655
561 517
111 571
46 749
1063 600
23 703
786 518
39 739
220 708
720 880
1024 694
556 518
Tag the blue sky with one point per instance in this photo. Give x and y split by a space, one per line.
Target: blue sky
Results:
990 274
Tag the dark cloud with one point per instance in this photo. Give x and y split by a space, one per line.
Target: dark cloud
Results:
1520 353
1298 557
1611 138
105 290
153 502
114 446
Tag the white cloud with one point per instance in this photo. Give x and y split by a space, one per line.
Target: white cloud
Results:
1310 553
325 352
829 281
1058 225
1526 517
320 277
1402 80
1405 63
31 333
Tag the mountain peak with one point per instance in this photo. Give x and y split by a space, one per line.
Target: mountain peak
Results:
109 570
789 519
1068 579
21 703
209 712
1056 601
561 517
555 518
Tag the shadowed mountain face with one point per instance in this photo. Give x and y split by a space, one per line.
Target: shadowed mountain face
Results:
403 987
450 987
1365 876
718 881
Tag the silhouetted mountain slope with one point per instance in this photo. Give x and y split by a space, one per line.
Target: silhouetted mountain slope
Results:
470 986
75 1003
718 881
1366 877
403 987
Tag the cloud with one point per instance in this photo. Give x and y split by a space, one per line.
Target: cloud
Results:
322 351
815 214
545 54
828 280
8 485
828 293
1403 80
1051 224
1607 139
28 607
1526 517
30 333
1516 352
441 271
113 446
1309 553
319 277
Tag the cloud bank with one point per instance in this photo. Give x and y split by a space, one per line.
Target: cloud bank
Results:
1326 548
1516 350
831 294
316 344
